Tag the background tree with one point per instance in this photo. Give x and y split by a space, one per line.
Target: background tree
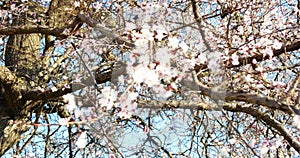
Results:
124 78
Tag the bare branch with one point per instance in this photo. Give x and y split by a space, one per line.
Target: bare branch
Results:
106 32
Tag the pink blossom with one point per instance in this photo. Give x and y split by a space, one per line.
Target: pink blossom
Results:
254 61
97 5
78 78
111 156
66 32
3 13
31 154
13 7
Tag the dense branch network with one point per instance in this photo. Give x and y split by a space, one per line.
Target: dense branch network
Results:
218 99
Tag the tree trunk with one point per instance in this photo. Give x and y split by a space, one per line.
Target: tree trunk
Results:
22 59
23 62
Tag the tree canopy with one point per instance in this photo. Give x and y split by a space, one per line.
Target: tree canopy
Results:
90 78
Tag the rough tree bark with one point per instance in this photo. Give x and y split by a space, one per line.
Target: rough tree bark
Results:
22 64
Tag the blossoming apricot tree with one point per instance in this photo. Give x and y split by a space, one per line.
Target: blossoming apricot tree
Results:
161 78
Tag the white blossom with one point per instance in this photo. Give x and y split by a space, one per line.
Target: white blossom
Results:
259 68
159 90
124 115
173 42
232 141
224 151
296 121
278 84
1 39
213 61
63 121
82 140
249 78
108 97
184 46
264 149
31 154
168 94
133 95
71 102
164 56
160 34
76 4
202 58
130 26
235 59
147 34
145 75
241 30
277 44
53 89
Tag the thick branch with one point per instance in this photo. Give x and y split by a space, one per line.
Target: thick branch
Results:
246 97
238 96
59 32
260 57
204 106
6 76
271 122
12 90
49 94
30 29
